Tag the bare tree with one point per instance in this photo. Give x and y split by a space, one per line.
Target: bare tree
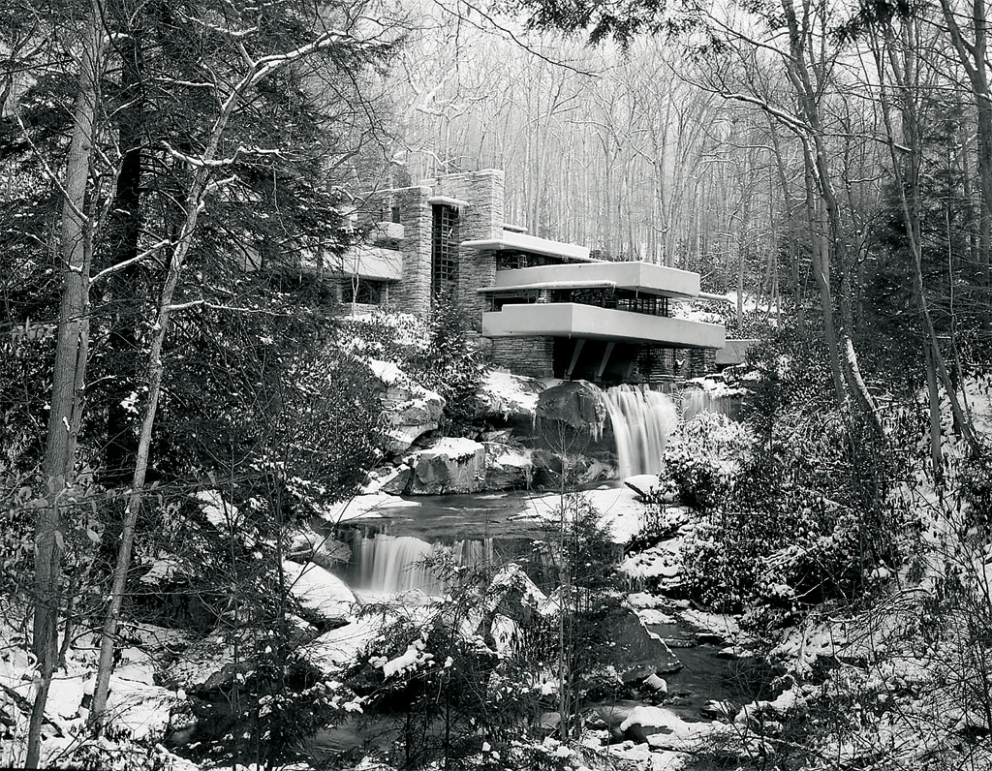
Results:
69 372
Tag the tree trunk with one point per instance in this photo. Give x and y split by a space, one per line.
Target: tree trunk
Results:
69 373
154 388
821 273
974 58
124 227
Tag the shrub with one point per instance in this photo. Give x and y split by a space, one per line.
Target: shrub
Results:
704 459
442 355
808 513
452 365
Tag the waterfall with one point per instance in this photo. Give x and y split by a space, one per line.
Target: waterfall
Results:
724 401
642 420
389 564
385 564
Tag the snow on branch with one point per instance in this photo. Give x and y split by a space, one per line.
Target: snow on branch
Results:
198 161
187 83
137 258
222 307
227 31
794 123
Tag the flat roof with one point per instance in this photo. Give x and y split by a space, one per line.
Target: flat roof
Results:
641 277
548 285
523 242
444 200
373 262
587 321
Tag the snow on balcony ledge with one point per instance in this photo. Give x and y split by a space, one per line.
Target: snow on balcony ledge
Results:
522 242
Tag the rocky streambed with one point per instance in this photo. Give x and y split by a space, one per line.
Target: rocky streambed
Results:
681 672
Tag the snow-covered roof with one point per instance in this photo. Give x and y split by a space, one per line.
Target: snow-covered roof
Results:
522 242
581 284
444 200
373 262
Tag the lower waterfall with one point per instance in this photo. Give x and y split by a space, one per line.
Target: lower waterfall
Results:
642 421
386 564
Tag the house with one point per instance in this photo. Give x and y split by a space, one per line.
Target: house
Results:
548 308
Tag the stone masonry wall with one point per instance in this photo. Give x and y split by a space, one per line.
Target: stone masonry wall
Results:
483 191
528 356
476 269
656 365
413 293
701 362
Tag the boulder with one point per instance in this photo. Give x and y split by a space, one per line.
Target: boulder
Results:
611 716
656 685
207 664
388 479
409 410
513 594
549 466
639 653
145 710
224 655
662 729
339 648
450 466
643 721
319 591
508 399
569 412
507 467
307 544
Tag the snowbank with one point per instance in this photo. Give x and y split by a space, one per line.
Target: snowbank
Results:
619 507
319 591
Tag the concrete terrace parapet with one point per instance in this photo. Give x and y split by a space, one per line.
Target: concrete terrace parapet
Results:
641 277
584 321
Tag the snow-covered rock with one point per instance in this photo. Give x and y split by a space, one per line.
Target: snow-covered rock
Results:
644 721
570 409
509 398
619 507
409 410
388 479
664 730
222 656
510 587
334 650
135 666
656 684
452 465
319 591
761 712
205 664
323 549
507 467
142 708
65 694
365 507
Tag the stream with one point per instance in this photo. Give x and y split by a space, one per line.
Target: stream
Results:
490 530
388 551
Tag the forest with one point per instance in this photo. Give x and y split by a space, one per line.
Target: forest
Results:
183 393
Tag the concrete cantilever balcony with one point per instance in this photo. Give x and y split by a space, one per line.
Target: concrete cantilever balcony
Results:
593 323
642 277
